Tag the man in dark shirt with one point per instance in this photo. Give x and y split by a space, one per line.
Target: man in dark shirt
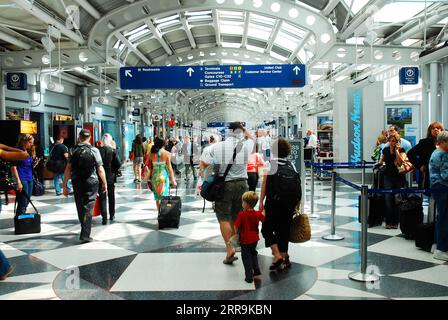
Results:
59 153
85 189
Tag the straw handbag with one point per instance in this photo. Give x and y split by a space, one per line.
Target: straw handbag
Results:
300 230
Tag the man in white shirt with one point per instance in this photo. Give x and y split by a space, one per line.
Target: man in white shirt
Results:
221 153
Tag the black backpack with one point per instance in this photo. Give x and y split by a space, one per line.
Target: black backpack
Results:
83 161
285 186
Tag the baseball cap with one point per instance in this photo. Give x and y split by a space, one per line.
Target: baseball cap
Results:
84 133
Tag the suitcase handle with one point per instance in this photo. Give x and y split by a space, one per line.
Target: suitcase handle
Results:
28 197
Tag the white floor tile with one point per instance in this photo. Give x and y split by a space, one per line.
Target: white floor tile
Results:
312 253
196 231
117 230
135 215
10 252
339 202
46 229
182 272
44 277
304 297
437 275
40 292
323 288
401 247
82 254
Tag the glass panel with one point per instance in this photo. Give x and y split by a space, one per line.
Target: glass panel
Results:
399 11
135 30
139 34
169 18
357 4
259 32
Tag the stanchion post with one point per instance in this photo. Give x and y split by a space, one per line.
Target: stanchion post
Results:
363 276
363 172
333 236
312 216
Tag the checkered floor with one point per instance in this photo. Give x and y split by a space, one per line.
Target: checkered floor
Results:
131 259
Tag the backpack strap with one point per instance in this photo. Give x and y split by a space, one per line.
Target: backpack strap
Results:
238 146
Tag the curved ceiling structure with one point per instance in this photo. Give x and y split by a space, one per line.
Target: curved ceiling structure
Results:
98 36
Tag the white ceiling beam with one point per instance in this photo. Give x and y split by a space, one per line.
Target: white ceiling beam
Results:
299 47
38 13
403 34
361 17
132 48
13 40
158 35
274 34
330 7
217 27
89 8
246 29
188 30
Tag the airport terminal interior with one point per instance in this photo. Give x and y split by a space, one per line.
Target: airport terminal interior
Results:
337 79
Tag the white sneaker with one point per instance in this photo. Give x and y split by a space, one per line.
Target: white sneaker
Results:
441 255
433 248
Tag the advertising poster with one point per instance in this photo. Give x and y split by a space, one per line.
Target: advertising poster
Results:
354 114
400 116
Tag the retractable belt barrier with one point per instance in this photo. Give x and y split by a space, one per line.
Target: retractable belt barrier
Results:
324 168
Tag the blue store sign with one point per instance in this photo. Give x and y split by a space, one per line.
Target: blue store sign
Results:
16 81
212 77
409 75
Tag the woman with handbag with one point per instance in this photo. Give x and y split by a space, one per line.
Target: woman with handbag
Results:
23 172
9 154
393 156
139 152
159 171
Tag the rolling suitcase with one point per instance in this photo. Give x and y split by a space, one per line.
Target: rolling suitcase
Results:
376 202
410 209
376 208
26 223
169 212
425 234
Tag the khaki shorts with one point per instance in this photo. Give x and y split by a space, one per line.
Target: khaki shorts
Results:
228 208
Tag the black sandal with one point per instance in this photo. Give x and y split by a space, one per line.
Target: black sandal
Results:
276 264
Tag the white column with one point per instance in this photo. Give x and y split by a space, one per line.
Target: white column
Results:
2 97
433 82
85 104
425 108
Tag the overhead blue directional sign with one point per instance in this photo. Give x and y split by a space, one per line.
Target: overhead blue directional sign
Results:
409 75
213 77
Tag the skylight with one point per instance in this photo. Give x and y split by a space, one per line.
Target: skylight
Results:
399 11
357 5
136 30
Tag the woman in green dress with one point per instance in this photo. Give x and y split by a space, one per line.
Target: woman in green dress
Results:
160 170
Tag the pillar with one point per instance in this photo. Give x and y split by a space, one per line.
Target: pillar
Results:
85 105
2 97
433 83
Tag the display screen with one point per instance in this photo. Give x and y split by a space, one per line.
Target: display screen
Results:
29 127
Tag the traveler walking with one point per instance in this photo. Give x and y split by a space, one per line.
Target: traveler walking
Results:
160 170
254 165
84 164
190 153
282 189
58 156
8 154
111 165
139 152
246 224
23 172
233 151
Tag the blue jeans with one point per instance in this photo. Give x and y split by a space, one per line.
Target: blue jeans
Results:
57 186
22 200
441 235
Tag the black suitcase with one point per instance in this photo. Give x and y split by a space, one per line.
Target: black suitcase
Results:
375 211
410 209
424 236
169 212
26 223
